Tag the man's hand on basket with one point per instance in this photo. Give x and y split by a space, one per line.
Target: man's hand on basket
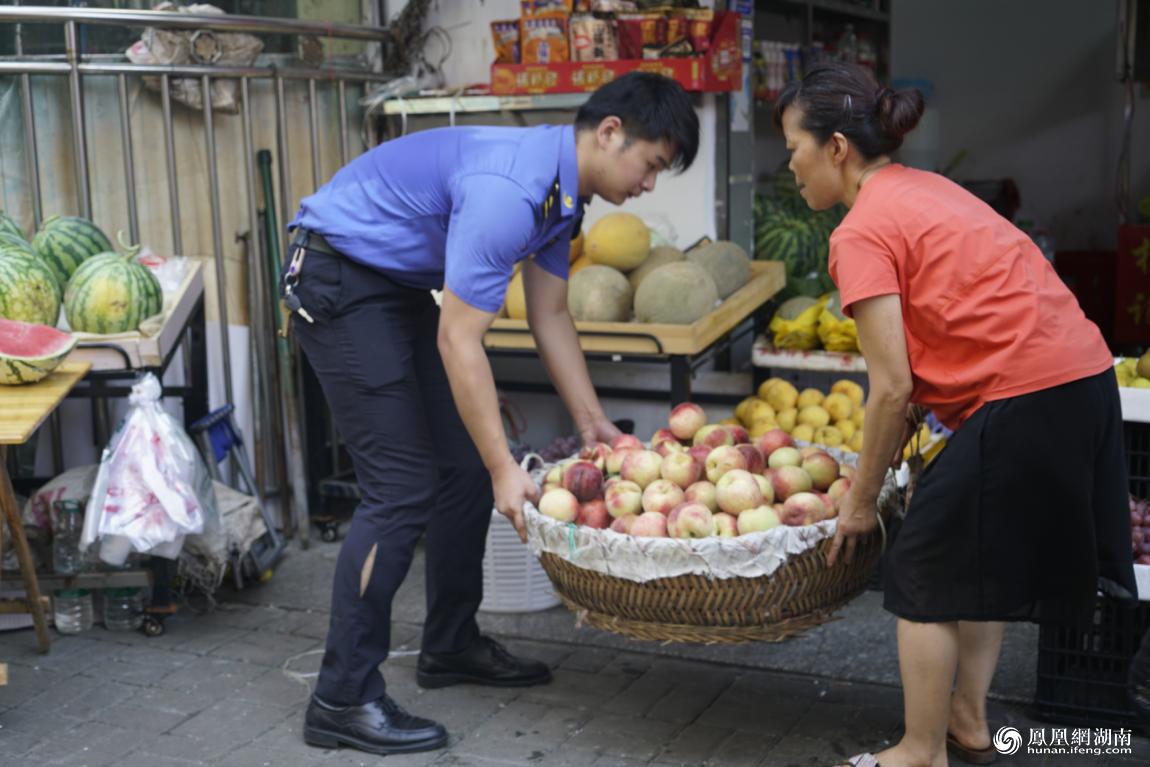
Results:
512 486
857 517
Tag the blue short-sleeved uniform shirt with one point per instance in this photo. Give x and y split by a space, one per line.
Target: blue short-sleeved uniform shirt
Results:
456 207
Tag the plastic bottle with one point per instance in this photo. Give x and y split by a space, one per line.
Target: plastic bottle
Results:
123 609
72 609
848 46
66 557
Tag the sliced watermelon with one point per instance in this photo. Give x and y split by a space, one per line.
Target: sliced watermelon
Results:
29 352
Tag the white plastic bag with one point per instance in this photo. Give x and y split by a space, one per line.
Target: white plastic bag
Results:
152 488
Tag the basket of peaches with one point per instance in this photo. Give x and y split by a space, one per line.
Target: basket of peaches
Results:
702 534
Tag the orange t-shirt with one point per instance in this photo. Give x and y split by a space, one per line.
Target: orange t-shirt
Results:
986 316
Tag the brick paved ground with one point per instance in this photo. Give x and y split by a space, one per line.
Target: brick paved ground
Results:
213 691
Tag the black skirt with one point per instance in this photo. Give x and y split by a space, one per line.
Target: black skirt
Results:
1022 516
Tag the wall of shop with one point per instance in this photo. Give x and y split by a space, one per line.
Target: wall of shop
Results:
1029 91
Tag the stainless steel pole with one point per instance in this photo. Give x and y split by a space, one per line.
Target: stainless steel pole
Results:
79 139
170 149
129 165
217 238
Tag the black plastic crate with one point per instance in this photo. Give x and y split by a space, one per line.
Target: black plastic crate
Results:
1138 458
1082 673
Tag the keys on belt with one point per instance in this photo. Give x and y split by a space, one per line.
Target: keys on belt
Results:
291 280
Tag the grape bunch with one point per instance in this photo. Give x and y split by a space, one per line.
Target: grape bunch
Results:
1140 532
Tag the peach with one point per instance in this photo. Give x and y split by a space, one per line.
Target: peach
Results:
723 459
662 435
765 487
829 508
713 435
554 475
623 524
667 446
738 433
615 461
686 419
736 492
703 492
838 489
755 461
627 441
662 495
593 514
823 470
847 471
559 504
623 498
726 526
789 480
809 450
802 509
690 520
699 453
784 456
548 486
757 520
773 440
584 480
641 467
681 469
650 524
596 454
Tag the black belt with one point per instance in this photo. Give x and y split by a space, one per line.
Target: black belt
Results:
314 241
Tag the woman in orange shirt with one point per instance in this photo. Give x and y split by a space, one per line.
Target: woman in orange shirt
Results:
1023 516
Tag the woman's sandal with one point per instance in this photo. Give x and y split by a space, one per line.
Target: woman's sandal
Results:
969 755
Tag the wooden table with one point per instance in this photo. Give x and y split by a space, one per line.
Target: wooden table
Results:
22 410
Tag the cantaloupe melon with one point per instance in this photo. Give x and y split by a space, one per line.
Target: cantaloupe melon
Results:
599 294
579 264
678 293
663 254
618 240
726 262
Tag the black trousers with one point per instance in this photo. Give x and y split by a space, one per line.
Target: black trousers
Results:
373 347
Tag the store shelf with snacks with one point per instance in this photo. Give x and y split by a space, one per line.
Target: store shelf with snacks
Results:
441 104
719 69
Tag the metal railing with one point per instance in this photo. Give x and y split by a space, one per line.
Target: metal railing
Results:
76 67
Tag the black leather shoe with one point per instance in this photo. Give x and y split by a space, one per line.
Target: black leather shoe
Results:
485 662
379 727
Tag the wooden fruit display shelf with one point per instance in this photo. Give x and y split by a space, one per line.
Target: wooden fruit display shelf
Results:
651 339
111 352
24 408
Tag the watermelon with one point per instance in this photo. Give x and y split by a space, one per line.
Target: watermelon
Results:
111 293
9 241
64 242
28 289
8 225
29 352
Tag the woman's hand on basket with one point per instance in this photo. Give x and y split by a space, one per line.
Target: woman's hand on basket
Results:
858 515
513 486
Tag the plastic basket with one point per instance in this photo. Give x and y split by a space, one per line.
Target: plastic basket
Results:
513 581
1082 672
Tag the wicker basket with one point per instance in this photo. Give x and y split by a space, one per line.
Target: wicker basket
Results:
798 596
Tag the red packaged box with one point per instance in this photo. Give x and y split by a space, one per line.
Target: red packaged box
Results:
719 70
1132 295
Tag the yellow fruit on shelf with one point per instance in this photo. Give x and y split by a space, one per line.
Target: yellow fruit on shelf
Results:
804 432
766 385
847 428
741 408
516 300
580 264
762 426
858 417
1140 383
917 442
759 410
788 419
732 421
1142 368
839 406
808 397
855 443
619 240
814 416
782 395
852 389
829 436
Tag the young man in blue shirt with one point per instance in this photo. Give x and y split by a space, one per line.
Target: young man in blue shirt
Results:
409 384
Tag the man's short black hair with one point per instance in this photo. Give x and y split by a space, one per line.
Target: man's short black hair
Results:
651 107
